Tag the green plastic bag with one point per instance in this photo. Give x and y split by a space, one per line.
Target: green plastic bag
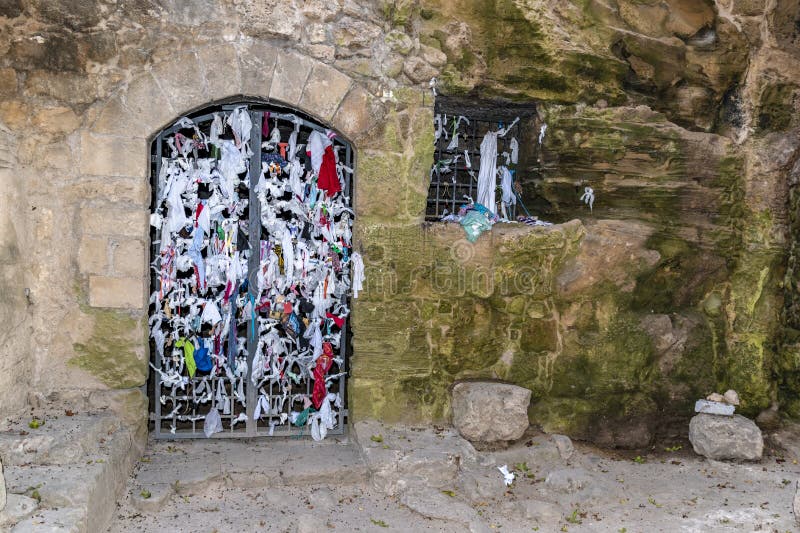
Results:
475 223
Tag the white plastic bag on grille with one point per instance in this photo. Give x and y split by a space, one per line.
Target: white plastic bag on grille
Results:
213 423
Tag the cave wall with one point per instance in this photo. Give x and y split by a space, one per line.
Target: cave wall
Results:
682 115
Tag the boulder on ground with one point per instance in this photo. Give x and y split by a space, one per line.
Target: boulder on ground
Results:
488 412
726 437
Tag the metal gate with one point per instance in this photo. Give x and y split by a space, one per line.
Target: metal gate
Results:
250 275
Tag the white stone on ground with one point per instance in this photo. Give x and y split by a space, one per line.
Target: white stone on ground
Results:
487 412
726 437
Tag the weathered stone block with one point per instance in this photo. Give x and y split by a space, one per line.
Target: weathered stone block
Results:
726 437
357 113
257 65
130 257
324 91
183 82
148 103
109 221
490 412
113 156
122 293
291 72
114 119
418 70
57 155
129 191
8 81
220 63
93 255
56 120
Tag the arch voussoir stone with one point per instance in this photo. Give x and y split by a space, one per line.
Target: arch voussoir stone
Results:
114 118
291 73
257 65
324 91
151 107
220 64
358 112
183 81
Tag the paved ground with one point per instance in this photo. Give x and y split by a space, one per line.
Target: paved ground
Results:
405 479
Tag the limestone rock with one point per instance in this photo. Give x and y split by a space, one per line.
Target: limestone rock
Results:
542 512
18 507
433 504
723 437
731 397
418 70
490 412
769 419
310 524
61 520
564 445
568 480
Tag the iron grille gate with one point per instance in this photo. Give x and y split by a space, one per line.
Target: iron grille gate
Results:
261 378
452 177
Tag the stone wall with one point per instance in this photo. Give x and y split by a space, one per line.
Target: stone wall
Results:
681 115
16 364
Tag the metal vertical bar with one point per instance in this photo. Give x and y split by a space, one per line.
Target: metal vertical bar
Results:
254 225
157 188
470 149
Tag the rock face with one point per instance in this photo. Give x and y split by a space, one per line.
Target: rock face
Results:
724 437
490 412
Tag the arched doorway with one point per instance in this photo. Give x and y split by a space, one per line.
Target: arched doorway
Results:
250 274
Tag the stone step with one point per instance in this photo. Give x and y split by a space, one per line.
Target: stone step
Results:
187 467
60 440
76 467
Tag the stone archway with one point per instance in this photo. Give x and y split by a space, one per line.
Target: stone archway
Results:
114 147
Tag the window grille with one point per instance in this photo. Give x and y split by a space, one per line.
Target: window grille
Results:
453 176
